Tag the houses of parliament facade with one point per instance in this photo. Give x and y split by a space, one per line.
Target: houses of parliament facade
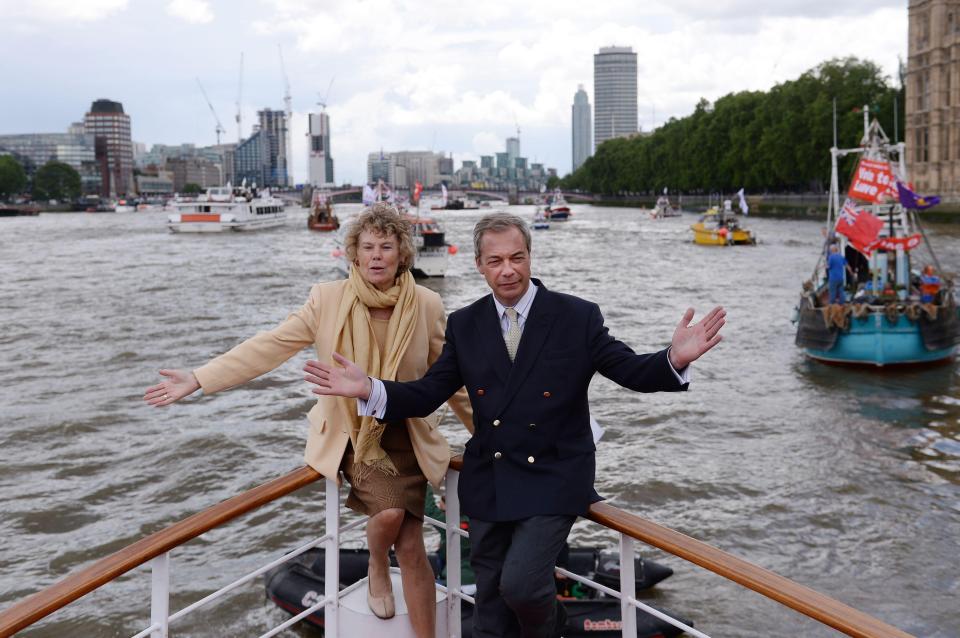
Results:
933 97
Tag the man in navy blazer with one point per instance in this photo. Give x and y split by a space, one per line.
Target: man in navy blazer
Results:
526 355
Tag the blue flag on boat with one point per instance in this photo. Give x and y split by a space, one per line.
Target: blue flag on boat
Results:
909 199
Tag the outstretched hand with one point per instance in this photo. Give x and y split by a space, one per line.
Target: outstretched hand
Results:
344 380
690 342
179 384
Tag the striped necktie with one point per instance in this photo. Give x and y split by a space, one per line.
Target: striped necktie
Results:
512 337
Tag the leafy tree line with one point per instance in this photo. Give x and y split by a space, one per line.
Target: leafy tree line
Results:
776 140
53 180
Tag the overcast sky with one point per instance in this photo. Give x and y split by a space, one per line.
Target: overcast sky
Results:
447 75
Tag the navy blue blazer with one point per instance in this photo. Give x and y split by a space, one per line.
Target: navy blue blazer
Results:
532 450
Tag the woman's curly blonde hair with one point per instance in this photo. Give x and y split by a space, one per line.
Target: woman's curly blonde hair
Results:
382 219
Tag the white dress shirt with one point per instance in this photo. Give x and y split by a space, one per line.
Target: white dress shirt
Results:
376 404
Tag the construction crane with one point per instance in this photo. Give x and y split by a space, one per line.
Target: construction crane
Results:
323 98
288 109
239 116
220 128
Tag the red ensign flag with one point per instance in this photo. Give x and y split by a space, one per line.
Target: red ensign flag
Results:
858 226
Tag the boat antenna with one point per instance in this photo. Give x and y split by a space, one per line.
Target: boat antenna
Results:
896 132
834 122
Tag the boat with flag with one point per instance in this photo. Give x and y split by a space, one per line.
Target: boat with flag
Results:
556 209
459 202
901 308
429 238
322 217
720 226
663 208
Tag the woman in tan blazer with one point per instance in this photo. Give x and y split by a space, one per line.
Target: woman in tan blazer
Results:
380 318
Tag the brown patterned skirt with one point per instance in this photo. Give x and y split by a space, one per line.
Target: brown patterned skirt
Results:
378 491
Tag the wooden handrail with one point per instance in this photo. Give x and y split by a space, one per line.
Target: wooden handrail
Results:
797 597
43 603
783 590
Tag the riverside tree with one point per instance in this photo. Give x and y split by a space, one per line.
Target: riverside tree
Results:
13 179
776 140
56 180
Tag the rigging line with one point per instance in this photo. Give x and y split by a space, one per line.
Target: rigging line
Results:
923 233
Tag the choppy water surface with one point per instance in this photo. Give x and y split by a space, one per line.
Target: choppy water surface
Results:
845 481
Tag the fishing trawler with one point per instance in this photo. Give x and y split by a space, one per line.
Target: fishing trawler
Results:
556 209
322 218
902 308
227 208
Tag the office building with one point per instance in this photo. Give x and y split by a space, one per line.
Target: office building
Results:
194 170
273 146
402 169
248 164
75 149
319 160
113 146
614 93
581 130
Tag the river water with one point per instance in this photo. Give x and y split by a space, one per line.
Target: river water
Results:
847 481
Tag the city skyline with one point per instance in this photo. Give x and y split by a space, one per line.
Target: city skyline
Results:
456 82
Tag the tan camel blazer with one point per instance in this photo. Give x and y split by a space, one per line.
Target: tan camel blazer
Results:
314 324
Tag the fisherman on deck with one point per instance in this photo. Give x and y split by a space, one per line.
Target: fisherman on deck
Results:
929 285
836 265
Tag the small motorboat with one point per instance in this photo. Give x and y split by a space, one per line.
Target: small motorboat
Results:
663 208
299 584
540 221
721 227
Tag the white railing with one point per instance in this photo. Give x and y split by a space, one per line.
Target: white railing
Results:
160 617
157 548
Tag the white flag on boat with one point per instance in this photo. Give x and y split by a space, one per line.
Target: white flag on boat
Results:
369 197
743 203
443 189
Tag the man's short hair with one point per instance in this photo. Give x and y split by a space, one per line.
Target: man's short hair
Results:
498 223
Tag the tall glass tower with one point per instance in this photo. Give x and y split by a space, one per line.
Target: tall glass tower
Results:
319 161
582 133
614 93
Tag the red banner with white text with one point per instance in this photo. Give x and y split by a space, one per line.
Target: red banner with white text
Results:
873 182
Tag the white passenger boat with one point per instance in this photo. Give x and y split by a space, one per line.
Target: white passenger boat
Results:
227 208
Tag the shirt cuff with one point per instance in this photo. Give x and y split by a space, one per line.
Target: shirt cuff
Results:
376 404
683 376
